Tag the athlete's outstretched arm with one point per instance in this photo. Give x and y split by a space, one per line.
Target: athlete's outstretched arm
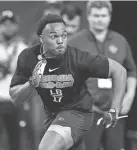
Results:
23 82
119 77
21 92
99 66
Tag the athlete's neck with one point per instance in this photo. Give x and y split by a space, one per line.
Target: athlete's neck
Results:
47 53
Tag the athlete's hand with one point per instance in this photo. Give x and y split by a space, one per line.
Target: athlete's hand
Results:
109 119
37 73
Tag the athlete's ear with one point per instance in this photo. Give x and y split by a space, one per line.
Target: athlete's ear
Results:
41 39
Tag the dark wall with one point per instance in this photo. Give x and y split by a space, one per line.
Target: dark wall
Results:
125 21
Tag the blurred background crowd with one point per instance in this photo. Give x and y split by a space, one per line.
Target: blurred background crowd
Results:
21 127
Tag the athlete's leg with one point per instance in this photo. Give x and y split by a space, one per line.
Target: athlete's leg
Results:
52 141
56 137
65 131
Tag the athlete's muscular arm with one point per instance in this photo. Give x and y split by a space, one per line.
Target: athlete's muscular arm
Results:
24 81
99 66
20 93
119 77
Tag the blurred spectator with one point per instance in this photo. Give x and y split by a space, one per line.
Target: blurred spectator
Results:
11 44
72 15
99 38
10 47
53 7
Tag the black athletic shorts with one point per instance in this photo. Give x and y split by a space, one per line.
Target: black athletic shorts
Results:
78 121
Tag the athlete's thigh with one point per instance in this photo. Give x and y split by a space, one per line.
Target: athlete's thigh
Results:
75 123
51 139
56 139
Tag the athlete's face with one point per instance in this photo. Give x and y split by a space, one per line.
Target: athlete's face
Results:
99 18
54 39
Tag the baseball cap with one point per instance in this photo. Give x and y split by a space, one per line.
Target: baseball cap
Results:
8 15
